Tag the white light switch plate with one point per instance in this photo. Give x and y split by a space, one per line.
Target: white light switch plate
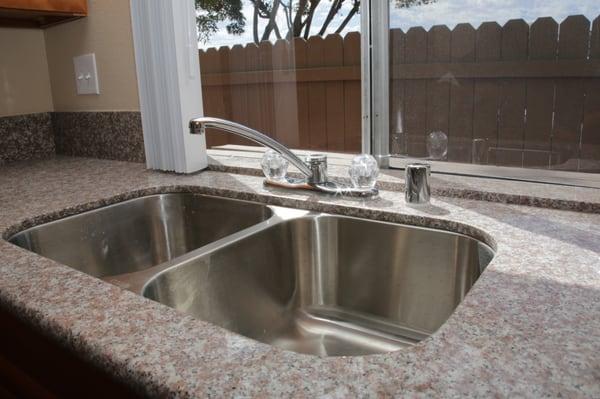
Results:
86 75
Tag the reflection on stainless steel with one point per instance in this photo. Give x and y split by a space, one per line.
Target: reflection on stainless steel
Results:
328 285
417 183
300 280
139 233
314 170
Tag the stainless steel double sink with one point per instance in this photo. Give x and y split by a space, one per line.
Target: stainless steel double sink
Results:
303 281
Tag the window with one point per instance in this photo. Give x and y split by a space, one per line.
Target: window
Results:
507 89
289 69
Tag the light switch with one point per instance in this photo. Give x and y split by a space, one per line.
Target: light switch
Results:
86 75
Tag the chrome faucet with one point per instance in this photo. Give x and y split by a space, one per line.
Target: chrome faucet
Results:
314 169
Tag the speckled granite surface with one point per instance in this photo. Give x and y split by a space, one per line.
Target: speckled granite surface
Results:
105 135
24 137
581 199
528 328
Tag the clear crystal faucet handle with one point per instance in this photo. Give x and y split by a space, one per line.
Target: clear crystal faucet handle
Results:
363 171
274 165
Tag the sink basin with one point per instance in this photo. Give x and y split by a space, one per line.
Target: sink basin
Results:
140 233
328 285
303 281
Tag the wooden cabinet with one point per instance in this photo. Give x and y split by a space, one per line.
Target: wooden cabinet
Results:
40 13
35 366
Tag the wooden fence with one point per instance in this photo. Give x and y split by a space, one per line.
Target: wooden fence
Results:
522 95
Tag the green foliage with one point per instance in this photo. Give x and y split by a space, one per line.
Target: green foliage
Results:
211 12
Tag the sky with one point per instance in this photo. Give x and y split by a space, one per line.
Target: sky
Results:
443 12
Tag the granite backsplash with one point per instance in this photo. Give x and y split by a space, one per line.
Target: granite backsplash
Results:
106 135
25 137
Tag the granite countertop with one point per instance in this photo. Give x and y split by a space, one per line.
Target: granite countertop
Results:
529 327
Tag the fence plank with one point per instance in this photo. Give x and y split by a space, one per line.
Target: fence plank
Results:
266 96
300 59
352 95
239 94
284 98
543 39
254 106
572 44
461 96
317 106
511 124
595 40
590 140
487 93
208 92
438 90
397 111
468 83
213 96
333 55
415 93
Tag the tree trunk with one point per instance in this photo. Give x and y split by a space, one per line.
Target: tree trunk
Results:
271 25
351 14
333 10
311 13
297 25
255 24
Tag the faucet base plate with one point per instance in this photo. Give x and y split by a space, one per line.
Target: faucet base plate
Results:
327 188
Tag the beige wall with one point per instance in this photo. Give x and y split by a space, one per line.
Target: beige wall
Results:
24 80
107 33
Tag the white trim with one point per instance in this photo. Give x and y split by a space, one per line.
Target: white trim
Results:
167 66
375 79
578 179
380 82
365 74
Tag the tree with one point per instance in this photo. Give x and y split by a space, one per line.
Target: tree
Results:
298 16
211 12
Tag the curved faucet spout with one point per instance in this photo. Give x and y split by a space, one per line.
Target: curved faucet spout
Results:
199 125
